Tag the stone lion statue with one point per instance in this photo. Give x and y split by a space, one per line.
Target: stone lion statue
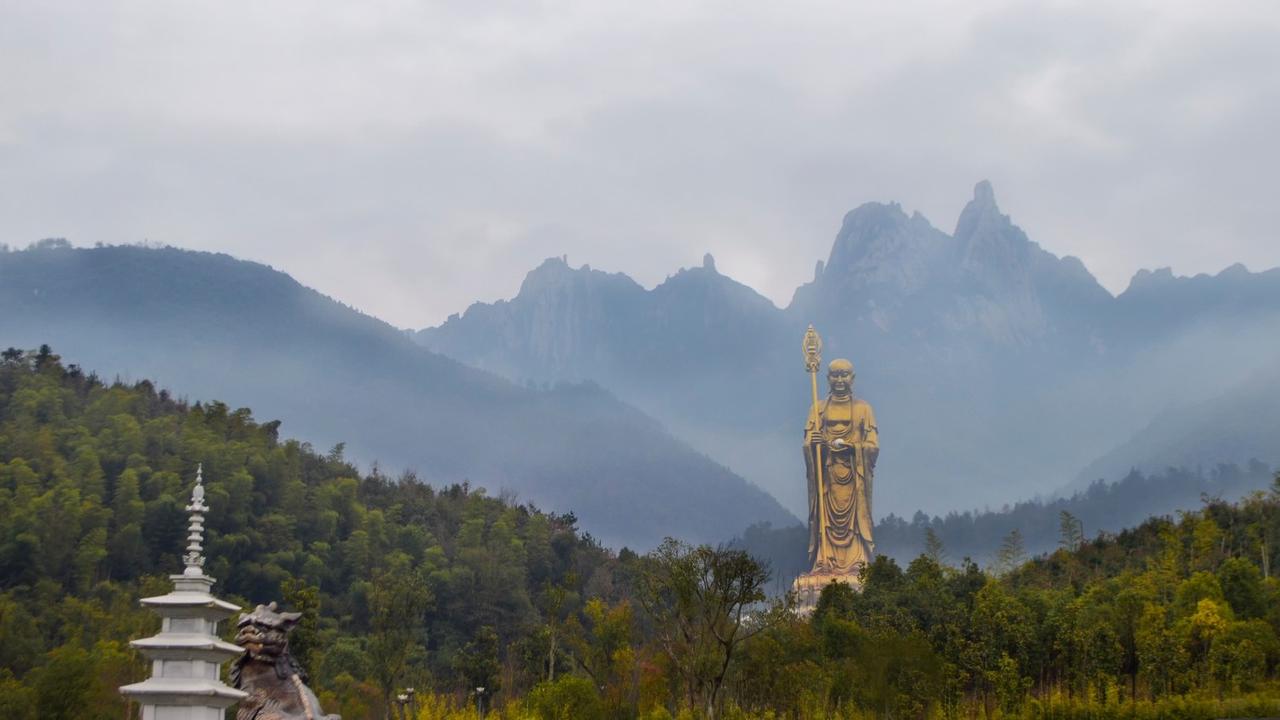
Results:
276 684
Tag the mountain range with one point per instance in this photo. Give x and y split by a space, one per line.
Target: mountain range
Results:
998 370
206 325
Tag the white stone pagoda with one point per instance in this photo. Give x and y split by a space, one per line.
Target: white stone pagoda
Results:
187 655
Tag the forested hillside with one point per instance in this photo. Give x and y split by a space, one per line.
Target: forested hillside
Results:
405 577
1164 620
208 325
447 589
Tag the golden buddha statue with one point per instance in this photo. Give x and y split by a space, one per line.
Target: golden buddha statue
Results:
841 444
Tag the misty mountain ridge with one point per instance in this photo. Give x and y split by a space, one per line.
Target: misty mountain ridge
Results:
998 370
209 326
1241 423
987 277
570 321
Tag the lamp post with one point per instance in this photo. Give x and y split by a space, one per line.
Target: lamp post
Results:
401 699
480 701
413 702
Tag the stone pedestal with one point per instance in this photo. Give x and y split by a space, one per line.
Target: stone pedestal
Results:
809 586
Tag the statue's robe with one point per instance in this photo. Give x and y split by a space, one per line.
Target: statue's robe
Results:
847 476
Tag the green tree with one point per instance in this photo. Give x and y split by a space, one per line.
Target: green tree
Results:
1012 552
127 551
1204 629
478 665
1207 544
1070 531
602 641
398 599
572 697
933 547
1161 657
1241 583
67 687
1240 657
556 599
302 598
699 599
21 643
1001 627
17 700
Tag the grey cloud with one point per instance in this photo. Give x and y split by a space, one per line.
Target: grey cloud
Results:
411 158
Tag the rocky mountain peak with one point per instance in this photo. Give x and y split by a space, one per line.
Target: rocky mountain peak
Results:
991 248
553 271
1145 279
1236 270
867 231
981 217
879 246
983 193
556 273
1234 275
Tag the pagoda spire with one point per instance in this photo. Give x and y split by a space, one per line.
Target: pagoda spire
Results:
187 655
194 557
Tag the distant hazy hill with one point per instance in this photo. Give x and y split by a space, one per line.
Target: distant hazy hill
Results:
1102 507
212 326
1242 423
701 351
998 370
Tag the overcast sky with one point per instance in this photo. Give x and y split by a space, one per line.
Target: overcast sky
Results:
410 158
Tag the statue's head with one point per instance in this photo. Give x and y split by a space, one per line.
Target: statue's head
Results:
840 377
264 633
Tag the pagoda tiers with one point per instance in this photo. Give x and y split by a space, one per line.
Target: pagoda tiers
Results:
187 655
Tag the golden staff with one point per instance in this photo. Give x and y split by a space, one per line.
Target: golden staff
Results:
812 361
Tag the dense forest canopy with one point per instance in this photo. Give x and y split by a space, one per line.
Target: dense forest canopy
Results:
93 480
449 589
